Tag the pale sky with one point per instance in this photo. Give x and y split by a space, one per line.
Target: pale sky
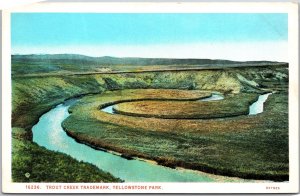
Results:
215 36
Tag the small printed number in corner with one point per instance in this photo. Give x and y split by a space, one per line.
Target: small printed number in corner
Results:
272 187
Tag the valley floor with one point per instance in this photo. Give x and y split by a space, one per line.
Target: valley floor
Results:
268 142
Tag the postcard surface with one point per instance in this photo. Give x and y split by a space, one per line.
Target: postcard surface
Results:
150 98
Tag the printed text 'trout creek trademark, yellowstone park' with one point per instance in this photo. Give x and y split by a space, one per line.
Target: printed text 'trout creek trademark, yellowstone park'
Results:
93 187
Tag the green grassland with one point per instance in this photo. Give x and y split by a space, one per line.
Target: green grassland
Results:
37 87
223 146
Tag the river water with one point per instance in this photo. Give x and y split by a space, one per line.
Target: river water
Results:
258 106
49 133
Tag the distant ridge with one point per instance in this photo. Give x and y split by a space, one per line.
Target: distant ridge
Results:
108 60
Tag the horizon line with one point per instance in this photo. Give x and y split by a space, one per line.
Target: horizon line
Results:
138 57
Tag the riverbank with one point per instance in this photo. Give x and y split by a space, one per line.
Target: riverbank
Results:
33 163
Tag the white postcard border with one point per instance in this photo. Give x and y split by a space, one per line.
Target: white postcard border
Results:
284 187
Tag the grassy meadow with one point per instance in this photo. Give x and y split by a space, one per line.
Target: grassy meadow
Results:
244 146
225 146
233 106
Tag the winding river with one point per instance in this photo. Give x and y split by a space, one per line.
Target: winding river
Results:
49 133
